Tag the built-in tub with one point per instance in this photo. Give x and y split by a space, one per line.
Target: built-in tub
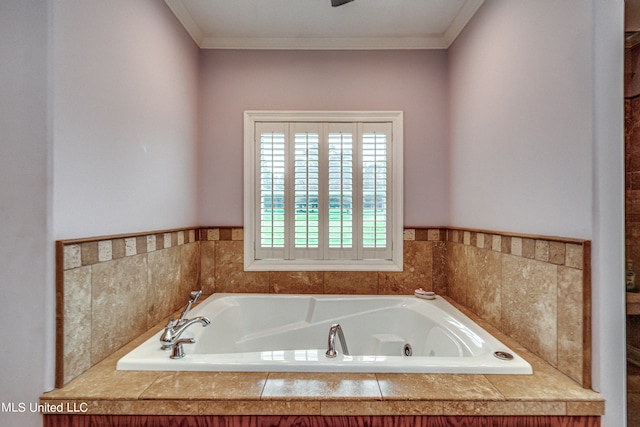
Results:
289 333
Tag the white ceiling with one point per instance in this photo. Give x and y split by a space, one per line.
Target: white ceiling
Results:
314 24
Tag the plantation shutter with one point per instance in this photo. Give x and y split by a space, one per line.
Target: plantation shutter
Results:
376 190
271 194
306 236
323 191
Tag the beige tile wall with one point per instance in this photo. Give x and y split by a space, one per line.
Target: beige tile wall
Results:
110 290
223 269
535 290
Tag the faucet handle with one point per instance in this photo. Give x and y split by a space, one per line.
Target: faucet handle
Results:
170 323
178 351
167 337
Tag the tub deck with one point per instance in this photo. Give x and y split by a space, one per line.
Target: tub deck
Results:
104 390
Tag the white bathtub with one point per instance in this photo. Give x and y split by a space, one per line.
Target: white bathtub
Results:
288 333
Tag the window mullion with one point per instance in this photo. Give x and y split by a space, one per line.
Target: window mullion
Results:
323 191
289 214
357 193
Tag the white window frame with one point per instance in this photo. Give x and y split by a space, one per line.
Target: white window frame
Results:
395 118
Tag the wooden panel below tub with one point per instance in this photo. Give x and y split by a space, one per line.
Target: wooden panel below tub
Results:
314 421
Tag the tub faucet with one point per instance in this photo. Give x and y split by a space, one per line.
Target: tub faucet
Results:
331 350
170 337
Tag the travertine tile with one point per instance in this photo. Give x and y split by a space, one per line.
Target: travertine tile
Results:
466 238
105 250
574 255
505 244
418 271
130 246
141 407
89 253
315 386
529 305
167 240
556 252
439 268
351 282
207 266
570 319
480 240
213 234
107 383
545 385
71 256
409 234
117 248
474 278
503 408
119 286
542 250
252 407
387 407
237 234
164 278
141 245
496 243
77 322
436 387
528 248
189 272
151 243
229 270
159 241
180 237
516 246
422 234
207 385
296 282
434 234
585 408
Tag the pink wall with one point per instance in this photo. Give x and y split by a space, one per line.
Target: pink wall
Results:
26 253
125 82
412 81
522 119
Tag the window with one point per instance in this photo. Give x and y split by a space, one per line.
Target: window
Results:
323 191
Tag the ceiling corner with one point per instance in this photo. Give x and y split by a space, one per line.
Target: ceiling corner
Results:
184 16
461 20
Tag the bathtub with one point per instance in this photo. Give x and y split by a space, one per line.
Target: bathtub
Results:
289 333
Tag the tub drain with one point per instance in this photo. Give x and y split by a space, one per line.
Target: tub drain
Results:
503 355
407 350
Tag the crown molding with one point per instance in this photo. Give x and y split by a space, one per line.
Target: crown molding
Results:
435 41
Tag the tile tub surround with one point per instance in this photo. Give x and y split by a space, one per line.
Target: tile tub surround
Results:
106 391
222 268
535 290
447 261
112 289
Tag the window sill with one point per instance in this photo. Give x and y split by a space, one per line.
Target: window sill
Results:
321 265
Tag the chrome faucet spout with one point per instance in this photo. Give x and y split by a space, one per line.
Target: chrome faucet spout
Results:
204 321
171 334
334 330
